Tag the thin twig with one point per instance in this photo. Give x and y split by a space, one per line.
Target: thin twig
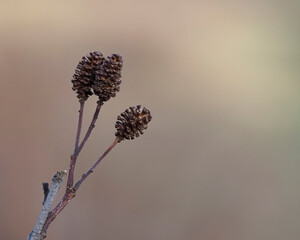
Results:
70 193
74 156
92 125
85 175
57 181
79 126
59 207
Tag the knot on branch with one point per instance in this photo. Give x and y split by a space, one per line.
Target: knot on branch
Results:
70 192
59 176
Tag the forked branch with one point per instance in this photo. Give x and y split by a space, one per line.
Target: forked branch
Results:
85 175
100 76
57 181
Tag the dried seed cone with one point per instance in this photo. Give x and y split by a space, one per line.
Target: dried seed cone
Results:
132 122
108 79
85 74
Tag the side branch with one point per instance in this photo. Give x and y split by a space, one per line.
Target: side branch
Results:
74 156
57 181
79 126
89 131
86 174
46 191
70 193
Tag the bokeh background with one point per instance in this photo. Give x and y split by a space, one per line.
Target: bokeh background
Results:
220 159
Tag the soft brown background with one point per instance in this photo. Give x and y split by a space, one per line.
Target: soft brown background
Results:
220 159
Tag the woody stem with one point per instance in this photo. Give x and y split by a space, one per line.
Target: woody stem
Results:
87 173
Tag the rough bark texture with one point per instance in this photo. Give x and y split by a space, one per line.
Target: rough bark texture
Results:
57 181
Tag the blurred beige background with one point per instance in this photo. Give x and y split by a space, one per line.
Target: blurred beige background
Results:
220 159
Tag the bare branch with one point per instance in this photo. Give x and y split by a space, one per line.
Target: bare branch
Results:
57 181
92 125
74 156
79 126
85 175
70 191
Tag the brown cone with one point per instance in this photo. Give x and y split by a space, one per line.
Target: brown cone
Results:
107 82
85 74
132 122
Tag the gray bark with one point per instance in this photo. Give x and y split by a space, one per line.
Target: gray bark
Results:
57 181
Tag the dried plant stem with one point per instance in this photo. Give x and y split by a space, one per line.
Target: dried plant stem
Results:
79 126
86 174
59 207
78 147
57 180
74 155
90 129
70 193
100 76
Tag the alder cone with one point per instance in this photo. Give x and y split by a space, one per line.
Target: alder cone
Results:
108 78
132 122
85 74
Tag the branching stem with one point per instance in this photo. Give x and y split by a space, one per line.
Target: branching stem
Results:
86 174
70 193
90 129
57 180
74 156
